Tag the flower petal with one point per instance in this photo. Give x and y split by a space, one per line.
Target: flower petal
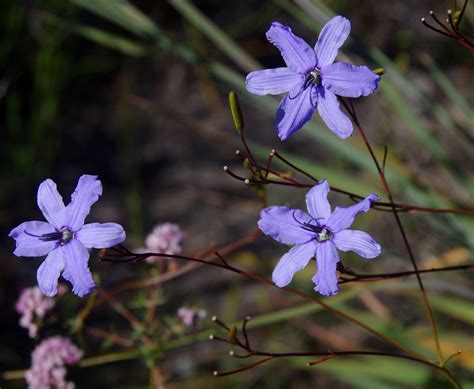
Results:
359 242
76 270
101 235
317 201
87 192
343 217
335 119
295 109
27 242
348 80
331 38
284 224
298 55
294 260
51 203
272 81
49 271
325 278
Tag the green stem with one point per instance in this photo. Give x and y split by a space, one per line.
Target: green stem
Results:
388 191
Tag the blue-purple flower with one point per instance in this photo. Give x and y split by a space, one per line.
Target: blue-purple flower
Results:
319 233
311 79
64 238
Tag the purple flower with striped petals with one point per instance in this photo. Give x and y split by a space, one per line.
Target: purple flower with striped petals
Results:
319 233
64 238
311 79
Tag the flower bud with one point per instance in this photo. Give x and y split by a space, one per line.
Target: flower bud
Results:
236 112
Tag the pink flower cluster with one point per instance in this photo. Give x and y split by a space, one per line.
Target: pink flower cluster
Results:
32 305
48 363
191 317
165 238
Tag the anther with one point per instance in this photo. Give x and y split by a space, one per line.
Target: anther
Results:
246 181
211 337
214 318
231 353
225 168
215 373
237 152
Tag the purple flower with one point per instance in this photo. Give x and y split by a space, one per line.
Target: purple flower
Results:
191 317
317 233
311 79
32 305
48 363
166 238
65 238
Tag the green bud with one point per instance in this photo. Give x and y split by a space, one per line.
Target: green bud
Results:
379 71
236 112
455 17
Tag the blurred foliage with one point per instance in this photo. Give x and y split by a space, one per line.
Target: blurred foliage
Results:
50 49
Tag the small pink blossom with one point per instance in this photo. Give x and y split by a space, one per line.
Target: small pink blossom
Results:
165 238
32 305
191 317
48 363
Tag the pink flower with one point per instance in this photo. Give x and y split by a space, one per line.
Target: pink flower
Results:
165 238
48 362
191 317
32 305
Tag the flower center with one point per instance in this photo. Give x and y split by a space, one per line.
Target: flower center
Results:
66 236
324 235
62 236
313 77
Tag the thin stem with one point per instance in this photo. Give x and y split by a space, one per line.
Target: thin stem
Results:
354 196
231 247
244 142
136 257
243 368
435 18
388 191
388 276
449 35
464 6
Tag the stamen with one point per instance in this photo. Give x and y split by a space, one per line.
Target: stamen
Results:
66 236
63 236
324 235
313 77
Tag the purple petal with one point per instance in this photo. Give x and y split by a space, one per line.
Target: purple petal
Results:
295 109
272 81
294 260
343 217
51 203
101 235
325 278
298 55
335 119
348 80
317 201
359 242
49 271
87 192
284 224
332 36
27 242
76 270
